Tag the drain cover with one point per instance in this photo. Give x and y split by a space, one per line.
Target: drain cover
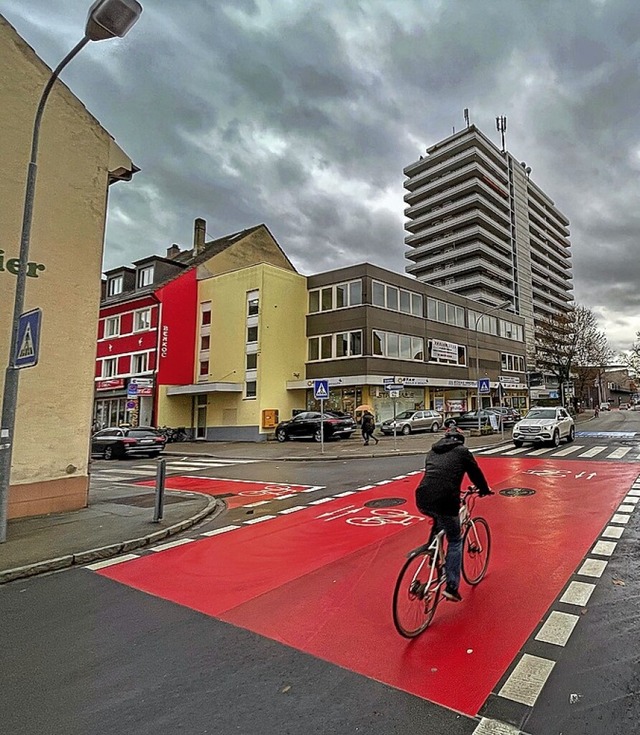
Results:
517 492
384 502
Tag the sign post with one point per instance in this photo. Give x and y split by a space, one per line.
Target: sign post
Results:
393 388
320 392
484 387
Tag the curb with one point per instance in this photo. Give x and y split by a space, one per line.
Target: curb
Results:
104 552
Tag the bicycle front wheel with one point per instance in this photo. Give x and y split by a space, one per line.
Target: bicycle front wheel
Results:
416 595
476 548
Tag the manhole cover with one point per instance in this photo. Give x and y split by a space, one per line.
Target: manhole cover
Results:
384 502
517 492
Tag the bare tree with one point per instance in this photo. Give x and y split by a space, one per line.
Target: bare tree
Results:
631 358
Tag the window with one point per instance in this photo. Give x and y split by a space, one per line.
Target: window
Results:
140 363
253 303
110 367
396 299
112 326
114 285
329 346
314 349
141 320
205 314
355 293
325 347
205 342
398 346
327 299
145 276
252 334
348 344
252 361
250 388
377 294
314 302
204 369
392 298
513 363
447 353
339 296
508 330
441 311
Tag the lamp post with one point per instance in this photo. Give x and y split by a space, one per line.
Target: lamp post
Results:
503 305
106 19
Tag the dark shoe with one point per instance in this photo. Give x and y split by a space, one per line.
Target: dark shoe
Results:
366 444
377 440
451 594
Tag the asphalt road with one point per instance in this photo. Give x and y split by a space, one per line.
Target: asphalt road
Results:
250 627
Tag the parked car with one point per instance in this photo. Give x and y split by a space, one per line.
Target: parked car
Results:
544 425
409 421
118 443
509 415
469 420
605 407
624 406
306 425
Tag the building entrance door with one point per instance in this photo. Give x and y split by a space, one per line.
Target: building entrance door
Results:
201 417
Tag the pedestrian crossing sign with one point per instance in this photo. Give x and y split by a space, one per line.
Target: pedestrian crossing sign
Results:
28 342
320 389
483 385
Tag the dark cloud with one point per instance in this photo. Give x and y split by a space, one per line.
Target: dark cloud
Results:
302 115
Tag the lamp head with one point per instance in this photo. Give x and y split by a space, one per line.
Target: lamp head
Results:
111 18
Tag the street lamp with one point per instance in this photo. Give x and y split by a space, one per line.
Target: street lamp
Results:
503 305
106 19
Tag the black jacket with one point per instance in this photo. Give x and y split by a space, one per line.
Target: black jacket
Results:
445 467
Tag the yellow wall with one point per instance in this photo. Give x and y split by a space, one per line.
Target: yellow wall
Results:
51 445
281 341
174 410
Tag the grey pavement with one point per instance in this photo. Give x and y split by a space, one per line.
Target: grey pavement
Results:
119 517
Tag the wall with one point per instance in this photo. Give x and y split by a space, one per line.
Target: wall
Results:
51 447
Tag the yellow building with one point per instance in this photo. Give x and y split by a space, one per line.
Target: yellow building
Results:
250 341
78 160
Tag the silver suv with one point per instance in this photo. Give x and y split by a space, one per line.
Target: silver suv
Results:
409 421
544 425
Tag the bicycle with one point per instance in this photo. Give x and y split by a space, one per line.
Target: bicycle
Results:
419 585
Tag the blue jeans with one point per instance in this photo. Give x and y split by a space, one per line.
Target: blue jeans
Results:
453 561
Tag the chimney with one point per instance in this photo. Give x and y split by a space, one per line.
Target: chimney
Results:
199 232
173 251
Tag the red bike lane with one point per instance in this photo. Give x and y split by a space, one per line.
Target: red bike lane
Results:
321 579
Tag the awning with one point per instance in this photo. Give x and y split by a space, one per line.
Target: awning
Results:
198 388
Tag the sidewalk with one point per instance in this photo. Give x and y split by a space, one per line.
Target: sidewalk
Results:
119 517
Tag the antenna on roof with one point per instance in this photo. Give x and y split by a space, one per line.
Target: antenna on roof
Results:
466 115
501 127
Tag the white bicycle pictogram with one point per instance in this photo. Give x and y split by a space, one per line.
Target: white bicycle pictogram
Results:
548 473
385 516
274 490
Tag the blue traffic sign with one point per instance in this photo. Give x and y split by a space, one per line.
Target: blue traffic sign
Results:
484 386
28 343
320 389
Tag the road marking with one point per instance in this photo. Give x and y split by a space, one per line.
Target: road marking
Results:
172 544
604 548
593 567
592 452
631 499
557 628
613 532
285 497
313 489
618 453
537 452
624 508
493 727
122 471
620 518
344 494
527 679
568 450
578 593
320 500
217 531
366 487
492 451
111 562
519 450
635 492
255 505
293 510
258 520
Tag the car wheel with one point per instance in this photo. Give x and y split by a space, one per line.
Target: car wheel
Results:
517 443
572 434
434 427
406 430
108 453
318 436
556 439
281 435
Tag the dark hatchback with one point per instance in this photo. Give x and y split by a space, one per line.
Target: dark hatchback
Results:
469 420
306 425
118 443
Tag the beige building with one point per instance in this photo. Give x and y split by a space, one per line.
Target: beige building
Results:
78 161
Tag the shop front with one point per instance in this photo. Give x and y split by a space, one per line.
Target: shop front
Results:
117 403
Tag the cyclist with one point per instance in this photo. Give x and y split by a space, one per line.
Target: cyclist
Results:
438 496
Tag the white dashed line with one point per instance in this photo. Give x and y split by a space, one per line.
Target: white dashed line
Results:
258 520
626 508
631 499
292 510
493 727
620 518
592 567
344 494
218 531
255 505
111 562
604 548
613 532
578 593
172 544
320 500
527 679
557 628
365 487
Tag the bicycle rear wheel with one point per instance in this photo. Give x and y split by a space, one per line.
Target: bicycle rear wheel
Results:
476 548
416 595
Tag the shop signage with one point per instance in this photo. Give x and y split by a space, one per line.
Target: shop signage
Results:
164 342
441 350
12 265
112 384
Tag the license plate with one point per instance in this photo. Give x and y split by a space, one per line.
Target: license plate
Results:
146 441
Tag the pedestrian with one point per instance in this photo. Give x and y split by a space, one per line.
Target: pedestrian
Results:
368 427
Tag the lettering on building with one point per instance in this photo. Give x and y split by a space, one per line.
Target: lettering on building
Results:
164 342
12 265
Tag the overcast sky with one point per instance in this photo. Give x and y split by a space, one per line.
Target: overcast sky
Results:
302 114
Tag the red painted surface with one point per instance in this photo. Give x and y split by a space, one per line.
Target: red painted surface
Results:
177 330
241 492
320 583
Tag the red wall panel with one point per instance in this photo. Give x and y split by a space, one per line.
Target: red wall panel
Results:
177 330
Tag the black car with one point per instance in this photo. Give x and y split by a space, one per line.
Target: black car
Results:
509 415
306 425
118 443
469 420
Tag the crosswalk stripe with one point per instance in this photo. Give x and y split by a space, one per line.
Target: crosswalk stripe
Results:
124 471
567 450
537 452
592 452
492 451
619 453
519 450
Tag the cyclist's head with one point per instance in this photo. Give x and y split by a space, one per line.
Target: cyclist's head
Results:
455 434
449 423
